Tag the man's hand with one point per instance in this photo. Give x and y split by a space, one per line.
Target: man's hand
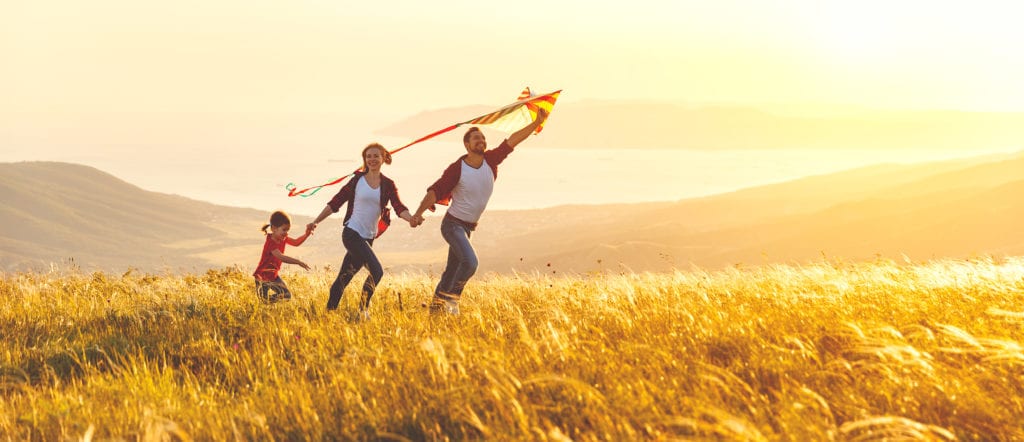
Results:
520 135
542 114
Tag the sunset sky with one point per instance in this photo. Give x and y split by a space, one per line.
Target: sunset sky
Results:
401 57
191 96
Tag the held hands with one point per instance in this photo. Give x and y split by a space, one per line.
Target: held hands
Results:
310 228
415 221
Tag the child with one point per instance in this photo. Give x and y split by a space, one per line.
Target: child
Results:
266 276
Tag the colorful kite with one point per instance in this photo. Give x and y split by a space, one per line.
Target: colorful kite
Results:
507 119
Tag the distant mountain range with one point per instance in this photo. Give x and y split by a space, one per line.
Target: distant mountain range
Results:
76 215
956 208
628 125
70 214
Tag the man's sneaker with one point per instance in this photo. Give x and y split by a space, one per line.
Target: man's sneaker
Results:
447 303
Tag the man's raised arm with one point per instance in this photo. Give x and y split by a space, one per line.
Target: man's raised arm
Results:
521 134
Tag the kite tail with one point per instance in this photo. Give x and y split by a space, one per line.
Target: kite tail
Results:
305 193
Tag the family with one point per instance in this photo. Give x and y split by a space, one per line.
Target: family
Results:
465 185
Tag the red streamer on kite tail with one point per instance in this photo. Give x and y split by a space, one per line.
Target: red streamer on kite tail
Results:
302 193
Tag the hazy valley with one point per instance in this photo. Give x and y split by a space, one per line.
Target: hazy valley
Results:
69 214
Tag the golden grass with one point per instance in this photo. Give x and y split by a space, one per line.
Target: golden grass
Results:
822 352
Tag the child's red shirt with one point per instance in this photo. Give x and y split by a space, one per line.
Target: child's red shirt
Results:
269 265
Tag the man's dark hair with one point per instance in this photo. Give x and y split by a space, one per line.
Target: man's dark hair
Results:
465 138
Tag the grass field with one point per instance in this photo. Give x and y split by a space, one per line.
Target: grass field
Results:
831 351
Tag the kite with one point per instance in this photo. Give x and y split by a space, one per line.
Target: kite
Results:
507 119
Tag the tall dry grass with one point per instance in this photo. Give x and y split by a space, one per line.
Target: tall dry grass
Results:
823 352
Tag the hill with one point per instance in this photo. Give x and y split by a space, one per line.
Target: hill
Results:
615 124
959 208
954 208
72 215
77 215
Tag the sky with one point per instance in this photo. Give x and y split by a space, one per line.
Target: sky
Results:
401 57
145 82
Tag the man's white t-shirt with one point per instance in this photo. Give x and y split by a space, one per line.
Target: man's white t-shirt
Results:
470 196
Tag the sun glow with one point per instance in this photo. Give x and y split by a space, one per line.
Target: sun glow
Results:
867 32
915 32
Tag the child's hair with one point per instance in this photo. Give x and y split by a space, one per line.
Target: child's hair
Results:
278 218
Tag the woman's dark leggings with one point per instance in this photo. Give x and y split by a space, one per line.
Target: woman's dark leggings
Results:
359 254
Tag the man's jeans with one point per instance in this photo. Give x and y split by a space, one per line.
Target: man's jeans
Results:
462 261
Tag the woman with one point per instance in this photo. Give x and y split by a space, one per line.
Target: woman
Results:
366 218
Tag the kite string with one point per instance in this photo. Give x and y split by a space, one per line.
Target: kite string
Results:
427 137
303 193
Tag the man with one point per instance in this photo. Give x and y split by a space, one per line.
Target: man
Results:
467 184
